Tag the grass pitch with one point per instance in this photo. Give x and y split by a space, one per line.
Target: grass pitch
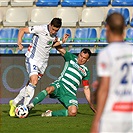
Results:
34 123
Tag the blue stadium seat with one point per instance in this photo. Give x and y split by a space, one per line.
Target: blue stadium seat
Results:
63 31
27 38
14 35
8 35
92 3
102 38
5 34
123 11
8 51
23 51
53 51
85 35
122 3
75 50
103 35
50 3
129 35
72 3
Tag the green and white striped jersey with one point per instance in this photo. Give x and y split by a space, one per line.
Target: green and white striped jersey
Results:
73 73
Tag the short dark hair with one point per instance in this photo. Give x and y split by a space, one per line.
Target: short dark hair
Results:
116 23
86 50
56 22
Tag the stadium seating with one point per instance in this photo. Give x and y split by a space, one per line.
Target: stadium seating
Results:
40 16
102 39
49 3
69 16
97 3
4 2
123 11
63 31
92 17
129 35
122 3
85 35
8 35
27 38
16 17
5 34
14 35
72 3
22 3
103 35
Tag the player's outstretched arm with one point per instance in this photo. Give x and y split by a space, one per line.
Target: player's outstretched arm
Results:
58 42
88 97
58 46
20 35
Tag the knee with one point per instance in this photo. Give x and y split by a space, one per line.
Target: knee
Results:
34 79
72 112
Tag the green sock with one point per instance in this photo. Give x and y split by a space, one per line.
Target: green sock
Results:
39 97
63 112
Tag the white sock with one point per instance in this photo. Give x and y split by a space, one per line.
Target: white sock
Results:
19 97
29 93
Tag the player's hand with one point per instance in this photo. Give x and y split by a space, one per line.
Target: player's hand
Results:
57 44
65 37
20 46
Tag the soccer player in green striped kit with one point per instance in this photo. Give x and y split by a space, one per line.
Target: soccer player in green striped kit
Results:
66 86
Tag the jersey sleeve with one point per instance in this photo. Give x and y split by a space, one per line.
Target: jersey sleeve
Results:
68 56
36 29
87 77
85 80
103 64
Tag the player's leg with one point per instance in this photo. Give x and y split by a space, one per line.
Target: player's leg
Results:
71 107
15 101
71 111
41 96
20 96
32 69
37 70
68 101
30 89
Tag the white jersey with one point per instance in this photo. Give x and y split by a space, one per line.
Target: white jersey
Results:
116 62
41 43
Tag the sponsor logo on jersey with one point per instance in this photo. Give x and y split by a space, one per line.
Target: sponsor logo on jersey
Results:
123 107
123 92
78 67
49 43
75 102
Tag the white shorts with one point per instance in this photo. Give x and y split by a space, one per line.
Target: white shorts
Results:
115 127
35 67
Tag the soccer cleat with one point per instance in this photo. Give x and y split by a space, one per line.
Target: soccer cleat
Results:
30 106
12 108
48 113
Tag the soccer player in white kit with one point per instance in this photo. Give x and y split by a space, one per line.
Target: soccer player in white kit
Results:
37 55
115 89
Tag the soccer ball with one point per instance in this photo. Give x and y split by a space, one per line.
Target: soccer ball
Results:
21 111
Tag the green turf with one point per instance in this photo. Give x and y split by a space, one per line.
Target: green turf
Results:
34 123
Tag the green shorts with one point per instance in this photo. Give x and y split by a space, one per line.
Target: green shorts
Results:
64 96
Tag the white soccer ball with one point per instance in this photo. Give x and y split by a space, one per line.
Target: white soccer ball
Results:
21 111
